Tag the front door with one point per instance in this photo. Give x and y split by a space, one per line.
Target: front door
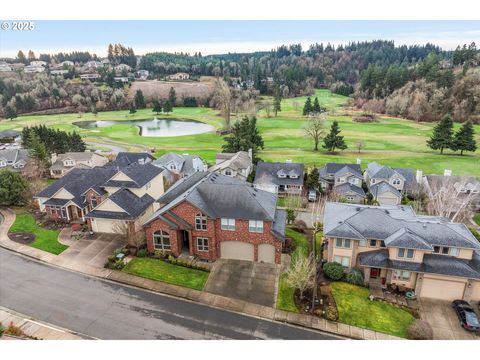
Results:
374 273
185 241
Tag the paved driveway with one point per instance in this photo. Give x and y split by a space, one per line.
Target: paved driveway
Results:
93 251
444 321
245 280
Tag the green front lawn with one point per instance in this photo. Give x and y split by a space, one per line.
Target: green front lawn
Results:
355 308
162 271
300 241
46 240
476 218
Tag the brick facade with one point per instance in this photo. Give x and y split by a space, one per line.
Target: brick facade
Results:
214 233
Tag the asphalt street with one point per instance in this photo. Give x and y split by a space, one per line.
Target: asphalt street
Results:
106 310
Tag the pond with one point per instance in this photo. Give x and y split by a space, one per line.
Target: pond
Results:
155 127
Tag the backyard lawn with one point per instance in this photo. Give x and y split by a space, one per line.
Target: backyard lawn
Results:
162 271
355 308
391 141
285 291
46 240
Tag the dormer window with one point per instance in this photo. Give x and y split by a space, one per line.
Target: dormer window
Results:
373 181
396 182
445 250
93 202
200 222
69 162
281 174
405 253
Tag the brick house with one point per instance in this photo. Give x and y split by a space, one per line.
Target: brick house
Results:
215 216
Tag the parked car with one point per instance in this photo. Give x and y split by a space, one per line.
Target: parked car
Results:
312 195
466 315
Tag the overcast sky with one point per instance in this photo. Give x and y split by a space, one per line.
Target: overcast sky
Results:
216 37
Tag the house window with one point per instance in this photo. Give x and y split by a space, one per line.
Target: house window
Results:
68 163
445 250
93 202
363 242
343 243
401 275
202 244
255 226
349 198
228 173
405 253
344 260
396 182
200 222
454 251
373 181
228 224
373 243
63 212
161 240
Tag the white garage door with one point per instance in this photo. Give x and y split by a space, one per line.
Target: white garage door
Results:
237 250
475 296
387 200
266 253
106 226
442 289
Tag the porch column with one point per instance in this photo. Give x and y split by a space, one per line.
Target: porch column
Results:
418 285
389 277
190 242
66 210
468 290
366 275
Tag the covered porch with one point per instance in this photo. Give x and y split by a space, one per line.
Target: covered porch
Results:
64 209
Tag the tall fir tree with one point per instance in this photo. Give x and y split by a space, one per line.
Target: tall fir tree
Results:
316 106
37 149
243 137
167 107
139 100
442 136
172 96
277 100
464 139
333 140
132 109
157 107
307 108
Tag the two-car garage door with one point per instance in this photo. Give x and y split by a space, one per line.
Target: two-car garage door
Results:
239 250
107 226
442 289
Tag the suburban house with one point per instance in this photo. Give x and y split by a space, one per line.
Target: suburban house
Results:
142 75
238 165
180 165
279 178
387 185
344 179
122 67
63 163
396 247
33 69
90 76
467 188
4 67
109 199
179 76
13 159
92 64
8 136
124 159
214 216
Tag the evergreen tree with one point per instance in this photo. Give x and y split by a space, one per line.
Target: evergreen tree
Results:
133 109
244 136
36 149
464 139
10 112
313 178
139 100
172 96
13 187
333 140
307 108
167 107
157 107
277 100
316 106
442 136
21 57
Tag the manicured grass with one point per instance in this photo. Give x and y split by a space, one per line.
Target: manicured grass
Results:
476 218
390 141
281 201
162 271
285 295
46 240
355 308
300 241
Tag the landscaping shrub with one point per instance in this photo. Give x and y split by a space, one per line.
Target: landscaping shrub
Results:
160 254
354 276
333 271
118 265
331 313
14 330
142 253
2 329
420 330
300 226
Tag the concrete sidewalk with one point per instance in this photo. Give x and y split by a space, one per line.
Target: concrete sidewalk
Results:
36 329
203 297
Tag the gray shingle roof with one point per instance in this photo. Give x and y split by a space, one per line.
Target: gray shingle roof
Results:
381 222
183 163
237 161
124 159
347 188
405 238
8 134
267 172
181 186
128 201
334 168
139 173
383 187
14 155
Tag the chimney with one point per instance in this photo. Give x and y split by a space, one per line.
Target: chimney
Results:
289 161
359 161
54 157
419 176
250 154
447 172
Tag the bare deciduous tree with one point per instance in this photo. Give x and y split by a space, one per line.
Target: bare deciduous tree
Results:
315 128
133 237
222 98
448 198
359 145
301 274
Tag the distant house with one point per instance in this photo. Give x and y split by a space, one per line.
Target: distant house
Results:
63 163
280 178
388 185
13 159
179 76
180 165
142 74
212 216
33 69
92 76
58 72
38 63
9 136
344 179
237 164
121 67
4 67
93 64
121 79
124 159
67 63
